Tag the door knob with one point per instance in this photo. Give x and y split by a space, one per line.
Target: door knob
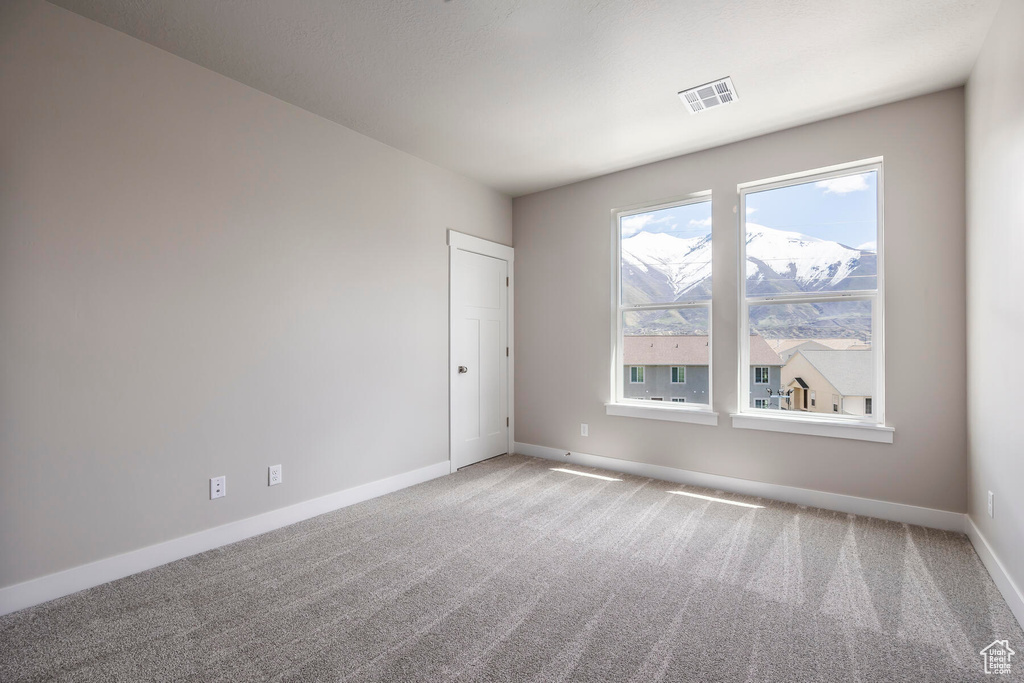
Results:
463 369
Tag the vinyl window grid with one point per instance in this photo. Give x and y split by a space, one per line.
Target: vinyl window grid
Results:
875 296
620 308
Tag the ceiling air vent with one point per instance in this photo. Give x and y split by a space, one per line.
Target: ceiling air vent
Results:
709 95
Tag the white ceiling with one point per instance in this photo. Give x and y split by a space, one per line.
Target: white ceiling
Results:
524 95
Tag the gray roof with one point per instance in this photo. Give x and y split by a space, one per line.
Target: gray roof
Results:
852 373
807 345
686 349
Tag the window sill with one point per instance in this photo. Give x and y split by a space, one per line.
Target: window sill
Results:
815 427
701 416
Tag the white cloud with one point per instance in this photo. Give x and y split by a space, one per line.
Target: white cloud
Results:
703 223
750 210
844 184
631 225
869 246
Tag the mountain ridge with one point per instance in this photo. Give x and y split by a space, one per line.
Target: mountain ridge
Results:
663 268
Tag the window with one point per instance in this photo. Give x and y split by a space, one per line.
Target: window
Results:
657 398
867 406
679 400
811 291
760 403
663 301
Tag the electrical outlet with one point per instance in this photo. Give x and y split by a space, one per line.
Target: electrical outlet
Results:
274 475
990 503
584 429
218 487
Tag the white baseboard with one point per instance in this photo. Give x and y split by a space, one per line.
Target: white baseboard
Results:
1011 592
43 589
896 512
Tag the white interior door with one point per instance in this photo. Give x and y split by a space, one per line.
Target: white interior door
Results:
479 357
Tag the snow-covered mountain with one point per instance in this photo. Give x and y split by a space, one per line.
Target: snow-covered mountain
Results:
658 267
661 267
665 267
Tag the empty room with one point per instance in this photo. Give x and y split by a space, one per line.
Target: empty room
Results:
511 340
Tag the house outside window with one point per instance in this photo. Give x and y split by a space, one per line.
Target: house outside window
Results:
663 302
812 288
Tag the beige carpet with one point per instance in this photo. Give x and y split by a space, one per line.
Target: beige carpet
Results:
511 571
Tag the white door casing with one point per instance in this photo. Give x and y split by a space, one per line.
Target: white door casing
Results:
480 360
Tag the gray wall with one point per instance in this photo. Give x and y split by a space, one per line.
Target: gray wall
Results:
995 243
658 382
198 279
758 390
563 310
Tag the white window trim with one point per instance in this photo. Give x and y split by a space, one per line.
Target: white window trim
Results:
661 410
834 425
673 367
806 423
672 412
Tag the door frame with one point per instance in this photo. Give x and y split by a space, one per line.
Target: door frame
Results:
476 245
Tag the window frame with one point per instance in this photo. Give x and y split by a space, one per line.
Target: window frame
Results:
702 413
766 377
868 427
639 373
673 372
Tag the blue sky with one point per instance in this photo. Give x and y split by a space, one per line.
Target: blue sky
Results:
839 209
691 220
